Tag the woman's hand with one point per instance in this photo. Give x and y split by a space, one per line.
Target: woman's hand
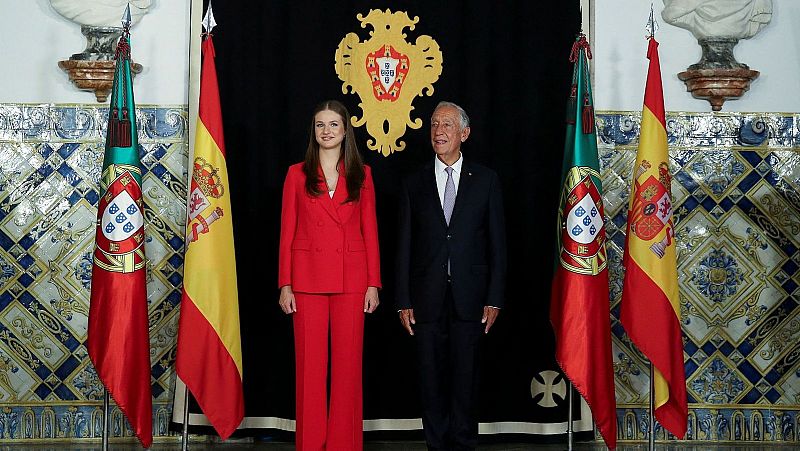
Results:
286 300
371 300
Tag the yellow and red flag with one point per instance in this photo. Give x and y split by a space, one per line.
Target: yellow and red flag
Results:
650 306
209 356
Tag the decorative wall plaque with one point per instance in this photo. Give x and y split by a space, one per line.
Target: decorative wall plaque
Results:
387 73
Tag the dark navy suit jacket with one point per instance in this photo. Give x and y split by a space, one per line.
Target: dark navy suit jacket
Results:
474 242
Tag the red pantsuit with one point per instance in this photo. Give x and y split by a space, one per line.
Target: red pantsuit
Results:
343 425
329 255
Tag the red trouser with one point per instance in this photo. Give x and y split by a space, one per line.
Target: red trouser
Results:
339 428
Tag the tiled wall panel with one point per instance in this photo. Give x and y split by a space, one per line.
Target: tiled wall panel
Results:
737 194
736 188
50 162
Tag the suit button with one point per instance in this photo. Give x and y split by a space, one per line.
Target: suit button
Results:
448 236
339 250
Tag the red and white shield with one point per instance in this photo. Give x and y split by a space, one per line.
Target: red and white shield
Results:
651 210
387 69
120 218
197 201
583 230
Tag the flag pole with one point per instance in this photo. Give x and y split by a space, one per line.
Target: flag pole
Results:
105 418
569 397
192 96
569 419
651 441
185 434
192 100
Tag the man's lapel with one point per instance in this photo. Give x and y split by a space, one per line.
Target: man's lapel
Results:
463 191
433 190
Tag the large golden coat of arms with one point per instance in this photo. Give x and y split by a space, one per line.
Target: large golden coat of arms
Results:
387 73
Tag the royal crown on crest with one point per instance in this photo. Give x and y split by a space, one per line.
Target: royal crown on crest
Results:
207 178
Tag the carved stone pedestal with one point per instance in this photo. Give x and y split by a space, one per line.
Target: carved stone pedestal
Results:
718 85
97 76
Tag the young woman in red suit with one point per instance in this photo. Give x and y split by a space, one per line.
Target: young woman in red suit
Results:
329 275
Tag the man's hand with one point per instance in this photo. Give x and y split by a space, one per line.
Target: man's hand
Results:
489 317
407 319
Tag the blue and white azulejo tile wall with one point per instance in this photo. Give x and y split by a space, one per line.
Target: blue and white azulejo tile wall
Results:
736 188
50 162
737 194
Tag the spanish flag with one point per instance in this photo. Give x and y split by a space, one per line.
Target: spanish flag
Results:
650 306
209 356
118 338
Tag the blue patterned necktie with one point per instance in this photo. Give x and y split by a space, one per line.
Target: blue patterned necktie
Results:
449 195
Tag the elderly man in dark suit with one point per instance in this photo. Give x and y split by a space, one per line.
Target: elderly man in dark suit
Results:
451 269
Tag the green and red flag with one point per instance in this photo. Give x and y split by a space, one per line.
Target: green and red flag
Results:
209 357
650 308
580 305
117 339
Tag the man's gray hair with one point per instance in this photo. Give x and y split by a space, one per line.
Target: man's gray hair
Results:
464 119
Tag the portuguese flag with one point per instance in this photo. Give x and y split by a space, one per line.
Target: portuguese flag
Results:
580 307
117 338
650 307
209 356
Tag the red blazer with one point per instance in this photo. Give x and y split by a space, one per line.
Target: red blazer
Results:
328 246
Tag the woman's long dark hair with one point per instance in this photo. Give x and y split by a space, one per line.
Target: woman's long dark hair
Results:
353 165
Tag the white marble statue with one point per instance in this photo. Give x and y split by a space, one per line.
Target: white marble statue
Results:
737 19
100 13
